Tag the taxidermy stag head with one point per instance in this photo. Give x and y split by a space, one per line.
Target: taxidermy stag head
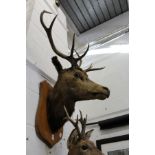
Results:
72 84
78 142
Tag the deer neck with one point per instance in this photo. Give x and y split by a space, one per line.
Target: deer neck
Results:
56 112
63 97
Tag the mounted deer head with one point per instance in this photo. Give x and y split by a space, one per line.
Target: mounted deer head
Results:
78 142
72 84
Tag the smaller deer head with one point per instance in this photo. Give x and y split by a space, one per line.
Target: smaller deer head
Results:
78 142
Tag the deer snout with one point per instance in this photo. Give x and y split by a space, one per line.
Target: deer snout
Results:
106 91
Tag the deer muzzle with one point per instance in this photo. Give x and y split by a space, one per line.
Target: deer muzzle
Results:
97 91
102 94
106 91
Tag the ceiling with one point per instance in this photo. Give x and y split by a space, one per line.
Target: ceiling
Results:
87 14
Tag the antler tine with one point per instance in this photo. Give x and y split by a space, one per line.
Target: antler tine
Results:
49 34
73 43
75 124
71 58
80 59
83 54
90 68
83 124
41 19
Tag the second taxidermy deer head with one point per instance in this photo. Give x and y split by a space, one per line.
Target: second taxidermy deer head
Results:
78 142
72 84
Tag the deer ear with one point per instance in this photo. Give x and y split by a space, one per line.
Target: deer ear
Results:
88 134
57 64
73 138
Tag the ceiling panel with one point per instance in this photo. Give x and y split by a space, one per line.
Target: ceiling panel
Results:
124 5
87 14
117 7
98 11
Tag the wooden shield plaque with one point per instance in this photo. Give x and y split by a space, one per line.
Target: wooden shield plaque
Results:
41 124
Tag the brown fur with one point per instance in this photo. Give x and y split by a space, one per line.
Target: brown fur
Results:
84 147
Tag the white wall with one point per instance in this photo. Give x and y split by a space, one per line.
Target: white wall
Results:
29 10
33 145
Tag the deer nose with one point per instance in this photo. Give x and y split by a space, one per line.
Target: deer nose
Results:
107 91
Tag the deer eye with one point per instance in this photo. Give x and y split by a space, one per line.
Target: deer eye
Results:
78 76
84 147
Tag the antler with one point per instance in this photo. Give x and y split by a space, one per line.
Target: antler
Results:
82 120
48 31
83 124
90 68
80 59
75 124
